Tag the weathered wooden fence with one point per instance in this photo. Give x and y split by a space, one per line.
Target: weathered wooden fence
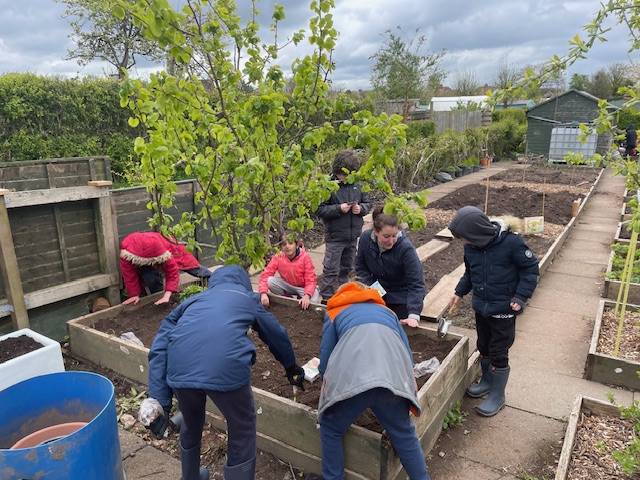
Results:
60 229
459 120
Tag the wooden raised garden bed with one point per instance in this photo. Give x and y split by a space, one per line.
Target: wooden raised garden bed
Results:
587 445
606 368
622 235
286 428
615 265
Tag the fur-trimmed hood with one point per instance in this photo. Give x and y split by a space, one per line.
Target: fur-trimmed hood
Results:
145 248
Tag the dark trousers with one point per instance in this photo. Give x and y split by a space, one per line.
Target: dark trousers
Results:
238 410
154 280
393 414
400 309
337 264
495 338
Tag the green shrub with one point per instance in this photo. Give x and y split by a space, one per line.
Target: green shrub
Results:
420 129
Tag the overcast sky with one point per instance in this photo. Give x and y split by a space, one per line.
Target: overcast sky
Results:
475 35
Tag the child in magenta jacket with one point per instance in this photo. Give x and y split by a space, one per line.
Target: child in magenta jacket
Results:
297 273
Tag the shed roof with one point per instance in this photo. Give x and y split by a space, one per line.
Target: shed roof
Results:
443 104
586 95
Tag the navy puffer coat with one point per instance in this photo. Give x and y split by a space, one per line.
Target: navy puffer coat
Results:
203 343
503 271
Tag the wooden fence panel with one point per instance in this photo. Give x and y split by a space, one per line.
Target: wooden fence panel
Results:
57 228
53 173
456 120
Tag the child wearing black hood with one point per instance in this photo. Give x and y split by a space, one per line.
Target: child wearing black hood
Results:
503 273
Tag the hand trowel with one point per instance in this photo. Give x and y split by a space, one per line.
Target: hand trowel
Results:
444 322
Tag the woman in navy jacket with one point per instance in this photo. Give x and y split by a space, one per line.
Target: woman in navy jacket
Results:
386 255
202 349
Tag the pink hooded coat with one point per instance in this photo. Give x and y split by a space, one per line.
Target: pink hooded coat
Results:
299 273
150 248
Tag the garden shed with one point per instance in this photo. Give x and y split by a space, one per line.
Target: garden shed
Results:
552 126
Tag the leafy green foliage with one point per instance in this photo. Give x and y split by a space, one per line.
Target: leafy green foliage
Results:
629 458
251 144
454 417
417 129
190 291
49 117
619 259
129 403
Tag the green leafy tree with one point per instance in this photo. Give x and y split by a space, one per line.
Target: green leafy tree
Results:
600 84
402 70
99 35
247 148
580 81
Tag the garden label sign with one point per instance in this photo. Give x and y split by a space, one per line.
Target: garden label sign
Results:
533 225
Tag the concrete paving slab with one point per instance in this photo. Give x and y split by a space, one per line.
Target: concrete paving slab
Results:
595 226
596 254
524 437
534 352
453 467
150 463
552 394
564 302
577 269
546 321
590 235
571 283
129 443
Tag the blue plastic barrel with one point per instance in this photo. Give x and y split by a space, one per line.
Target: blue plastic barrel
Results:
92 452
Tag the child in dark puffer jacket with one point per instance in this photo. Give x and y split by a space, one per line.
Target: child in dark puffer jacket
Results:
342 215
503 273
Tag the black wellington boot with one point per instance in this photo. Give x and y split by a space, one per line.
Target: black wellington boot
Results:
496 399
484 385
244 471
191 469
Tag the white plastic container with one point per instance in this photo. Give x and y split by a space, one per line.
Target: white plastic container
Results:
47 359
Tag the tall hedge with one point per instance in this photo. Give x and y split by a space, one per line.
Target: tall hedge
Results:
52 117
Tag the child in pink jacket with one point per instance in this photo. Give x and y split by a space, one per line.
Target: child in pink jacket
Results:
297 273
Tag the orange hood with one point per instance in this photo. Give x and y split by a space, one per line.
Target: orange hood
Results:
348 295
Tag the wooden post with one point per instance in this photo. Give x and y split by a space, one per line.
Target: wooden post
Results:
575 207
10 271
107 239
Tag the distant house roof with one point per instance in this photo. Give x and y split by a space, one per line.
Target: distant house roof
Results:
520 103
443 104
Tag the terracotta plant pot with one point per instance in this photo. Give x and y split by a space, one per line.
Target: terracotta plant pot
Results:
48 434
484 162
